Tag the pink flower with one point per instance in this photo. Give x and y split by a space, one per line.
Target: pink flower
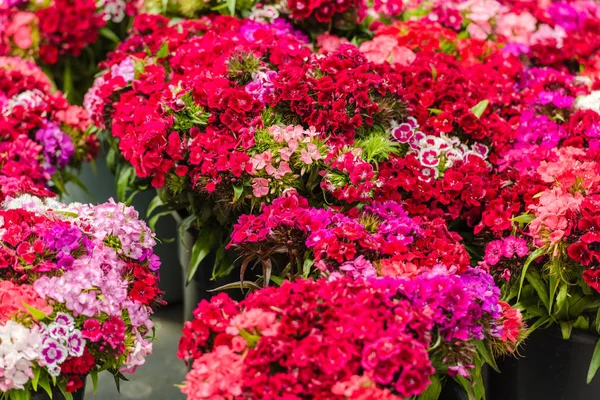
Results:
385 48
310 154
328 43
516 27
260 187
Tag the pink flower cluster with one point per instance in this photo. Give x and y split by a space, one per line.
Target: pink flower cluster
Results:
86 290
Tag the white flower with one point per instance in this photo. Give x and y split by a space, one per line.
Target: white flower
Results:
589 102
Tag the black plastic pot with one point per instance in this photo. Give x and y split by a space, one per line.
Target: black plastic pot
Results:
57 395
550 368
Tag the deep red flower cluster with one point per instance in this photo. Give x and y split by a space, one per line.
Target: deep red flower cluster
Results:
67 27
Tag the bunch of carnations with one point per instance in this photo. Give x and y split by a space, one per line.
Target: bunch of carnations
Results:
290 238
78 285
221 136
68 36
42 136
346 339
561 34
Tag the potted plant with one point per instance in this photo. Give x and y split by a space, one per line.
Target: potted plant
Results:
68 39
78 288
334 339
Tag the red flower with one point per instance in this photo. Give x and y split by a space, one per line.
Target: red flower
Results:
142 292
75 383
592 278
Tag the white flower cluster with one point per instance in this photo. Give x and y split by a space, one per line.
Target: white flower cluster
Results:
19 346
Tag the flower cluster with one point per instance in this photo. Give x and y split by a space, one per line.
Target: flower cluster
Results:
48 31
41 133
379 239
78 286
330 336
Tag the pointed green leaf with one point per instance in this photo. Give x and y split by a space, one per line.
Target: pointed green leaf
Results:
308 263
94 376
67 395
566 327
124 178
36 378
534 278
561 298
277 279
237 192
595 363
204 244
45 384
479 108
231 7
37 314
163 51
486 354
537 253
598 321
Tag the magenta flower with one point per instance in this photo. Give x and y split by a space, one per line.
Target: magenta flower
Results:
91 330
493 252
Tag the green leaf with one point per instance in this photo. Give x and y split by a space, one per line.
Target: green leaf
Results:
163 51
435 111
231 7
45 384
123 181
94 376
433 390
433 72
36 378
534 278
154 204
37 314
308 263
561 298
110 35
595 363
204 244
185 225
479 108
537 253
523 219
598 321
582 323
483 348
237 192
67 395
67 78
566 327
278 280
